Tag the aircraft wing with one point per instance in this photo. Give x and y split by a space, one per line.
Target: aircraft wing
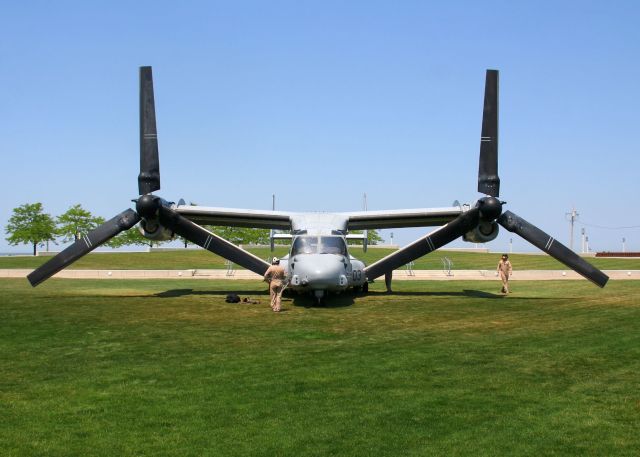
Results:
282 220
234 217
426 217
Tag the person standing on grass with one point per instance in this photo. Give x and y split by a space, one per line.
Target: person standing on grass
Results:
505 270
275 276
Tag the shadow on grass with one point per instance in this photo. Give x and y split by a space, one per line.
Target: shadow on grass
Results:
330 301
222 293
464 293
306 301
338 301
436 293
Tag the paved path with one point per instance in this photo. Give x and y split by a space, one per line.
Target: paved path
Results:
398 275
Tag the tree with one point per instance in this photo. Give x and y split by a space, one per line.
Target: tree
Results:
130 237
373 237
242 235
30 225
76 222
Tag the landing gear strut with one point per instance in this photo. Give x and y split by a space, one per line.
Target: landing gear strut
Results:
363 288
387 281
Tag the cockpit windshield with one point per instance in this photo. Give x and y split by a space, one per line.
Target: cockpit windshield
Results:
319 245
304 245
332 245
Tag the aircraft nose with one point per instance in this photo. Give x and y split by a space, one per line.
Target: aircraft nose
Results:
321 271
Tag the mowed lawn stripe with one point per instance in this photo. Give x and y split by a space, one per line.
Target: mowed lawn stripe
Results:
157 367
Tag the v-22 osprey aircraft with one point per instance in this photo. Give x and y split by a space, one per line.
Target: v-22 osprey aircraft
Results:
319 261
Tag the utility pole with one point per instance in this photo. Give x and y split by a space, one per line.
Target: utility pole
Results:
510 245
624 244
583 242
272 231
587 241
365 233
572 216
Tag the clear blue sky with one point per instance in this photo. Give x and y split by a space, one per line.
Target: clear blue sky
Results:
319 102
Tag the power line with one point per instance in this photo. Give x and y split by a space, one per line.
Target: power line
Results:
623 227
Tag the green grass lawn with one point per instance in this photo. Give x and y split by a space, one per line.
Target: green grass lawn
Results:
157 367
201 259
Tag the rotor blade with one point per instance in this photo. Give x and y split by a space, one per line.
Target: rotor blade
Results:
123 221
210 241
488 180
555 249
436 239
149 177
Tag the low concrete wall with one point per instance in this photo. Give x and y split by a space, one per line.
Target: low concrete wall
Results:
398 275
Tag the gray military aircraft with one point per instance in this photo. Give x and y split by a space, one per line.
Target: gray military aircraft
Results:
319 261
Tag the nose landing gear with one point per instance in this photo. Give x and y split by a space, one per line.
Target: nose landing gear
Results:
364 288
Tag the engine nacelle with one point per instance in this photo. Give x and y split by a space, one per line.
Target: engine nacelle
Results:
483 233
152 230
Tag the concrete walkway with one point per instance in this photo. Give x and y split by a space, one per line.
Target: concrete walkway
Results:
398 275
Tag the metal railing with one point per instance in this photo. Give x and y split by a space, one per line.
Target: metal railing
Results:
229 265
410 271
447 264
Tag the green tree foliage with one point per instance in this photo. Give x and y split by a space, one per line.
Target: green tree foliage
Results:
236 235
130 237
30 225
76 222
373 237
242 235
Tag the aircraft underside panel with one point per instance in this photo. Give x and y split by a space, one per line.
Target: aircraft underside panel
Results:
233 217
428 217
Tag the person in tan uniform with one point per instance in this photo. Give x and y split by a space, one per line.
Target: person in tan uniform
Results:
505 269
275 276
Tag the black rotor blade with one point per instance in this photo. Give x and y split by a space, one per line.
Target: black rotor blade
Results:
436 239
488 180
555 249
210 241
123 221
149 177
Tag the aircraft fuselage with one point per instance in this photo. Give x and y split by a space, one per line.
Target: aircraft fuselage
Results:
319 264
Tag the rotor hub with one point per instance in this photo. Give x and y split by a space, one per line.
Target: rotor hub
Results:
490 208
147 206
